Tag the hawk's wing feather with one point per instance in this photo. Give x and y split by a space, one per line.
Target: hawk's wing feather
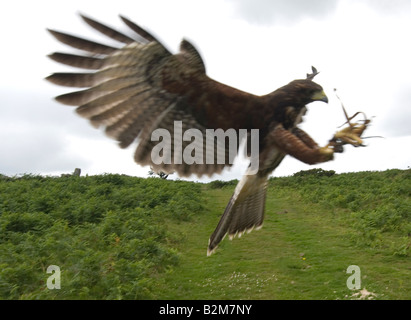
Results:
141 87
73 60
177 110
82 44
140 31
107 31
244 212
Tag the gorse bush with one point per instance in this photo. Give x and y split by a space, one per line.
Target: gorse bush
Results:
107 234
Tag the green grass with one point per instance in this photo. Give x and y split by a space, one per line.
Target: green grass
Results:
306 245
118 237
300 254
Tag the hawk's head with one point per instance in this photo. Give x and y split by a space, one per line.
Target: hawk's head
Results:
301 92
289 102
297 94
305 91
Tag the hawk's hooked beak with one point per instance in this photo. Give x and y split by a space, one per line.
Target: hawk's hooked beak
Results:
319 96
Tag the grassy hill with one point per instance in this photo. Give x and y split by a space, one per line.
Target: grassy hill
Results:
120 237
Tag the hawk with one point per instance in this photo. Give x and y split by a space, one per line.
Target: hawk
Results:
139 86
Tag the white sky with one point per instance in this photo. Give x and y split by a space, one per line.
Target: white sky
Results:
361 47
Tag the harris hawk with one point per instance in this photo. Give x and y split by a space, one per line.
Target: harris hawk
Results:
139 86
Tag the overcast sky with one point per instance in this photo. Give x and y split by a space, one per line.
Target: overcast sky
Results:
361 47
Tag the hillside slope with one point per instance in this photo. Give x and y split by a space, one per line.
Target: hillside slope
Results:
305 248
119 237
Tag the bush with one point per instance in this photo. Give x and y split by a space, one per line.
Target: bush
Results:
108 234
316 172
218 184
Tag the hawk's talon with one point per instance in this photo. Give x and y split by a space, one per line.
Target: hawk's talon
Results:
336 145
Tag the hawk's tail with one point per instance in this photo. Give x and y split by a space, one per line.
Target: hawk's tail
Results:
244 212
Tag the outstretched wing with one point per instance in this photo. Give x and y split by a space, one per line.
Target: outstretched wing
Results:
140 87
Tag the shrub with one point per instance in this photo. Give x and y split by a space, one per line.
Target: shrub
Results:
218 184
316 172
107 234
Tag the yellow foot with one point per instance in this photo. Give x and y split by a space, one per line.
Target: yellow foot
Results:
328 153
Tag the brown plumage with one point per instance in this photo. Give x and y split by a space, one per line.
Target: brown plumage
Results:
140 86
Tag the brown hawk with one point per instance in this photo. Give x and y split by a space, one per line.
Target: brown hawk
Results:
133 89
